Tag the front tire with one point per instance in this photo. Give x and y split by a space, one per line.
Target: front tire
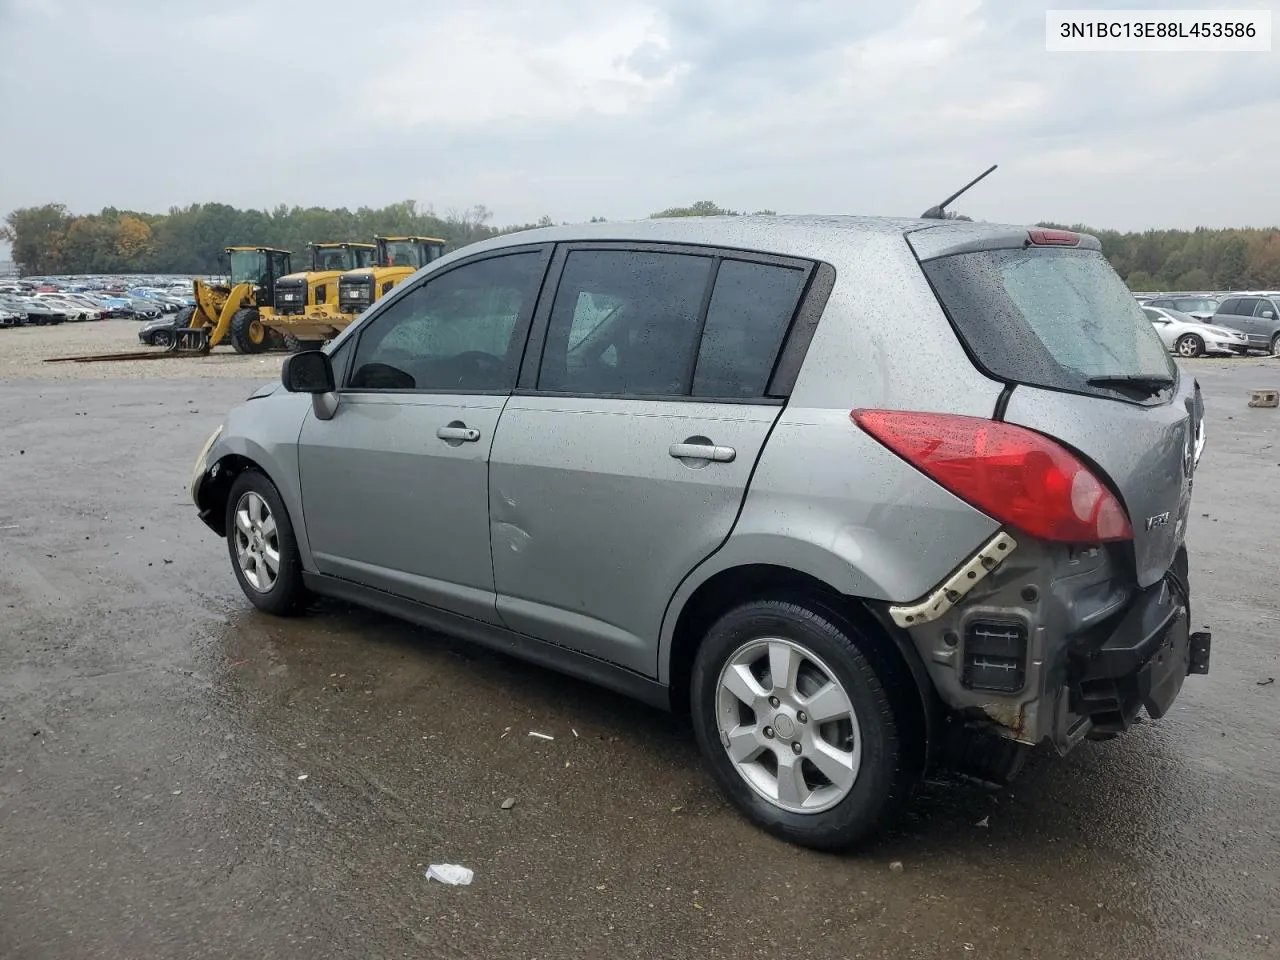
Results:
1189 345
248 335
263 548
1275 345
803 730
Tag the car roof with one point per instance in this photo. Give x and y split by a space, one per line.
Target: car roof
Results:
801 235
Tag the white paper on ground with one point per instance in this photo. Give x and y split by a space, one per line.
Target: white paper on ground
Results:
450 873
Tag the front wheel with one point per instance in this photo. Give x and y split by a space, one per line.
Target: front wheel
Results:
1275 345
801 727
263 548
248 335
1189 345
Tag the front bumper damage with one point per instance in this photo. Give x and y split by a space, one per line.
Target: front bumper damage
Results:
1031 642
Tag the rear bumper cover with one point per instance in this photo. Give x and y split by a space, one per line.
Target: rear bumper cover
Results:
1142 663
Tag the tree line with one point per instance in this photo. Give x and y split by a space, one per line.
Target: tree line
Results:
50 239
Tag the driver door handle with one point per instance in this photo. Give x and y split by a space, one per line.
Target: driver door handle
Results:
463 433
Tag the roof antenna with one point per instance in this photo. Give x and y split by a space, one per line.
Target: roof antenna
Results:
939 212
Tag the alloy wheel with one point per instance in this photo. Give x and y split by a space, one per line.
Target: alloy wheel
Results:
257 542
788 725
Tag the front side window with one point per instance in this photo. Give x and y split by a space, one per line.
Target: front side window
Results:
457 332
625 323
1265 305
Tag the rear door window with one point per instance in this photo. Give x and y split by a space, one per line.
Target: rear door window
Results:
1245 306
1048 317
625 323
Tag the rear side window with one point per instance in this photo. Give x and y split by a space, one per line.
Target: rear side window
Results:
1228 307
1048 317
750 312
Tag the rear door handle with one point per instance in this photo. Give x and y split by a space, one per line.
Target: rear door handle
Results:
702 451
457 431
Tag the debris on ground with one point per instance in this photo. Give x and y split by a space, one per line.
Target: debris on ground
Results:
303 776
450 874
984 822
1267 682
541 736
508 803
896 866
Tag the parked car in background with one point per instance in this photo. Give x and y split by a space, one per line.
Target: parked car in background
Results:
1256 317
1188 337
43 313
675 458
11 314
73 312
1202 308
159 332
144 309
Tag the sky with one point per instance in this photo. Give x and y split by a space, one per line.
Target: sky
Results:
581 108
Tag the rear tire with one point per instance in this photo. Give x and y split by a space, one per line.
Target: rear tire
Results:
263 547
853 770
1275 345
248 335
1189 345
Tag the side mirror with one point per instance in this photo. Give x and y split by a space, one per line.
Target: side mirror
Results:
307 372
1268 314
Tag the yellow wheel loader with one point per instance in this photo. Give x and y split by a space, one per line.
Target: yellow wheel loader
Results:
234 311
302 297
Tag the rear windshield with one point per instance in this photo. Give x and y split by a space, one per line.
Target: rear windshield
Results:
1048 317
1189 305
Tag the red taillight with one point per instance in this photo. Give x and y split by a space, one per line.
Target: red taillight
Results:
1053 238
1014 475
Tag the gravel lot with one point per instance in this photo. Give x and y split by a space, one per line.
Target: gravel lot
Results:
24 350
184 777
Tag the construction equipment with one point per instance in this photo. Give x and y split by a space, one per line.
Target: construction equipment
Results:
396 259
299 297
235 310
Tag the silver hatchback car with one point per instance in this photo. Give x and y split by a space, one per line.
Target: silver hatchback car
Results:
866 497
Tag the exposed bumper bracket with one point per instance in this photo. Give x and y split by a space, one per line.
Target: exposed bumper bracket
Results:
953 589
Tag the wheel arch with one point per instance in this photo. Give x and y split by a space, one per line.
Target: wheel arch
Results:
726 588
228 460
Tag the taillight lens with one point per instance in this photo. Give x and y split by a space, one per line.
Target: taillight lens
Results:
1016 476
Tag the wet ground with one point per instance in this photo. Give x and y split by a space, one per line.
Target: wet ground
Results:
183 777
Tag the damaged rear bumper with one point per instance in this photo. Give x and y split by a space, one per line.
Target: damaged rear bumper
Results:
1056 643
1141 664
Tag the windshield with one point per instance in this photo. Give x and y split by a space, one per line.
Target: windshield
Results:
1196 304
403 253
248 266
1048 317
332 258
364 256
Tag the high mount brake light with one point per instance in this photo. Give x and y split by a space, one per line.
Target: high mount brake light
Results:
1053 238
1014 475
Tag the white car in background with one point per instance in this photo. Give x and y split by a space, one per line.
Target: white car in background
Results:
1188 337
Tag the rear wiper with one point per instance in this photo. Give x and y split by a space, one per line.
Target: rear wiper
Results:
1153 382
